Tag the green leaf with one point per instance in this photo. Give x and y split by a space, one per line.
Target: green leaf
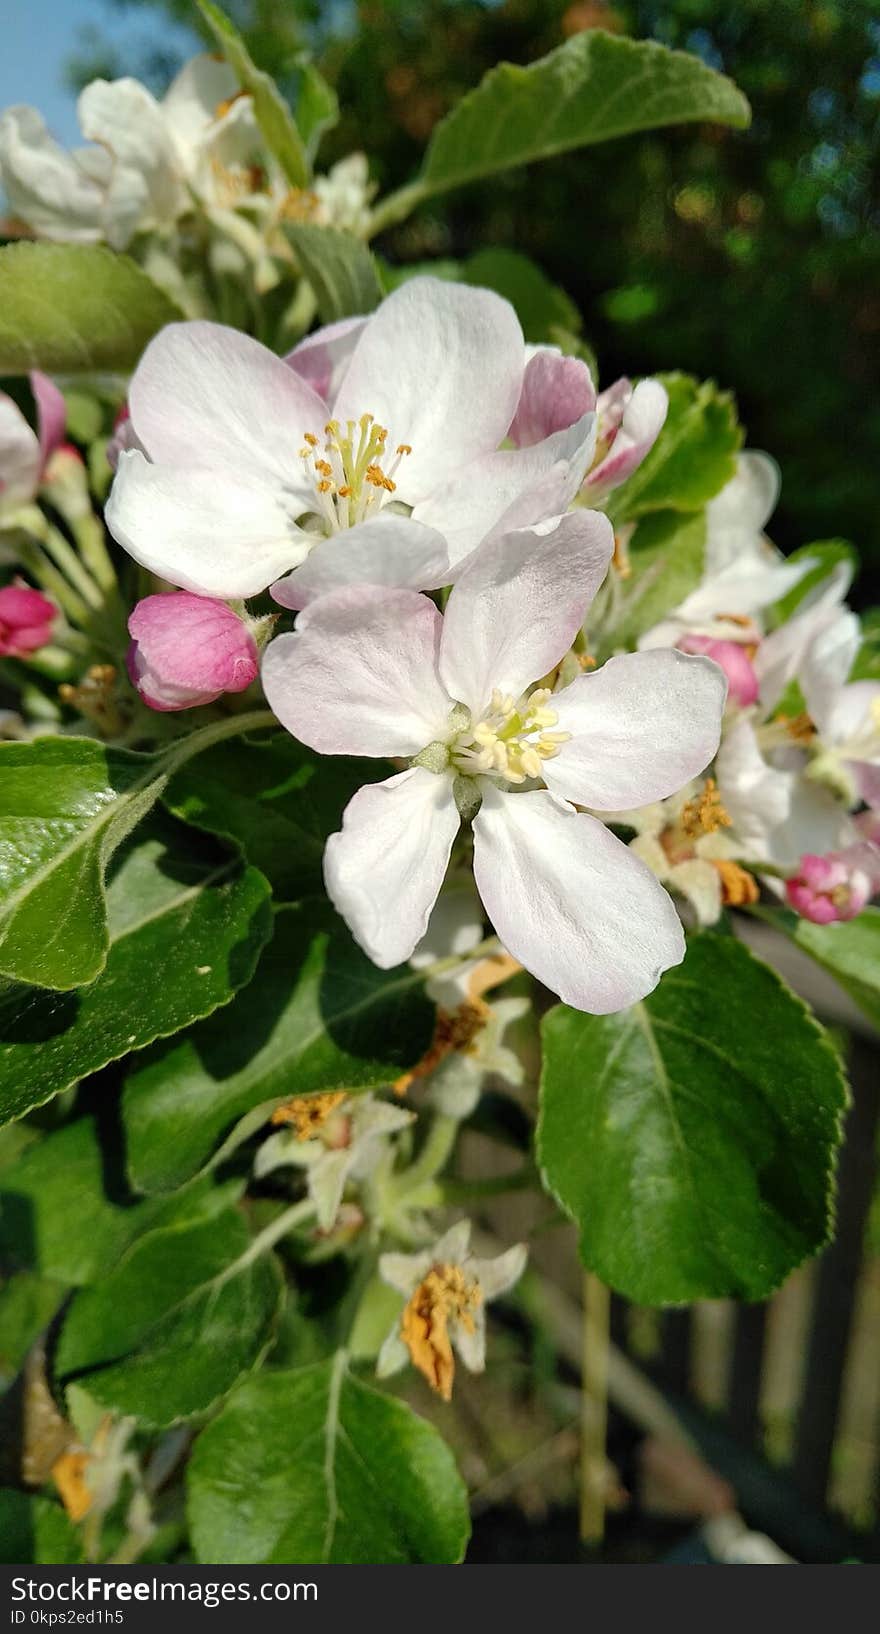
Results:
278 126
27 1305
339 268
275 799
70 308
318 1016
828 554
849 951
693 457
64 1212
174 1327
317 107
594 87
666 556
186 928
65 805
693 1137
541 306
35 1531
313 1467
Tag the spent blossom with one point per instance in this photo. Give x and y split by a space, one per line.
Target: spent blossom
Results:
335 1138
385 674
446 1289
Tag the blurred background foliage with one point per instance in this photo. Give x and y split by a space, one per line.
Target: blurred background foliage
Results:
749 257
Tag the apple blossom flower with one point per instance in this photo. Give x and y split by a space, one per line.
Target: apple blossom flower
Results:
344 194
243 476
685 840
148 160
446 1289
631 419
777 812
820 617
187 650
24 452
336 1138
742 681
837 886
26 619
846 714
383 674
743 572
558 390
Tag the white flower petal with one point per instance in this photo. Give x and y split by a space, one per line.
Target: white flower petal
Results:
513 488
700 884
206 395
324 356
756 796
190 104
20 458
641 726
497 1275
358 676
393 1355
389 549
383 871
146 186
470 1342
453 1247
571 902
741 510
46 187
824 670
327 1180
519 604
440 365
206 531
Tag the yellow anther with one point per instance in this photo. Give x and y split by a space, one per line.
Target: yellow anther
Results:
324 467
705 814
325 486
446 1295
331 429
307 1114
403 448
310 438
738 888
344 492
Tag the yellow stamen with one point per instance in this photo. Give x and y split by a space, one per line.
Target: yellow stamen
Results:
738 888
454 1032
705 814
445 1295
307 1114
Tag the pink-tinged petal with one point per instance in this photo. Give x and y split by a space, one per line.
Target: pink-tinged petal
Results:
513 488
572 902
440 365
26 619
20 459
384 870
124 438
821 631
213 532
742 682
641 727
868 783
556 391
358 676
642 422
51 413
187 650
204 395
389 549
519 604
323 357
741 510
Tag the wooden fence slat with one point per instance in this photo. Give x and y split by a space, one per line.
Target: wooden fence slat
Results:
838 1279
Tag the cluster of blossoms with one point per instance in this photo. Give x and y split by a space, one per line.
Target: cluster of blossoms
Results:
424 501
172 180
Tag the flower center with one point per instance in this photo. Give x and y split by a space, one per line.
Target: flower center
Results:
350 480
308 1113
705 814
446 1295
511 741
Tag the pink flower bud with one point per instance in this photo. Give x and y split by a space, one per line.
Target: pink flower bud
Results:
631 419
556 391
187 650
837 886
26 619
742 682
